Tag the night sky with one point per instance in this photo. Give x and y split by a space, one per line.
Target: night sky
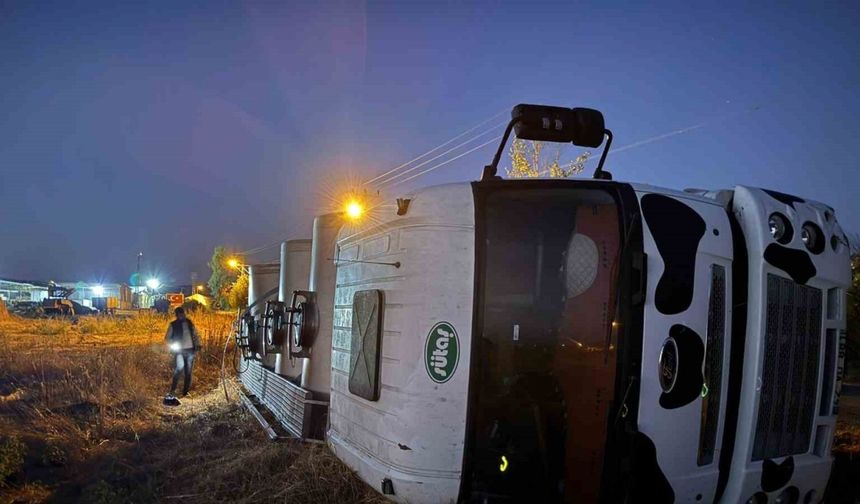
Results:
170 128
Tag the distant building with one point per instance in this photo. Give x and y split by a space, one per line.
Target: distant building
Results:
14 291
85 292
187 289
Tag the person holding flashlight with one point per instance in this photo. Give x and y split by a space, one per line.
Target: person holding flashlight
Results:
183 341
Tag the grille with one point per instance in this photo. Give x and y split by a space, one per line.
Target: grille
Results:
829 365
790 375
713 365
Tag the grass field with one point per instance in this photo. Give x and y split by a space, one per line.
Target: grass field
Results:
81 420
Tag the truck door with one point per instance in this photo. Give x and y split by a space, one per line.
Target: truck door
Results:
546 343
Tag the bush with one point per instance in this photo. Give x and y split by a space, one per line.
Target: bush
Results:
12 452
54 455
103 492
193 306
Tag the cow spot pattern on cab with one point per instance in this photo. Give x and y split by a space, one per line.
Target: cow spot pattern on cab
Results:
786 199
775 476
677 230
648 483
795 262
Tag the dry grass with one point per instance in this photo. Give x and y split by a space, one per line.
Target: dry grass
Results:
81 418
847 438
81 421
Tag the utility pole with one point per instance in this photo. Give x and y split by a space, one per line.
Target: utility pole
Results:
137 281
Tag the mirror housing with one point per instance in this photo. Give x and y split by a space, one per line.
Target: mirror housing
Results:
580 126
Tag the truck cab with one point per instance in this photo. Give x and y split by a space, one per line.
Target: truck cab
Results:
576 340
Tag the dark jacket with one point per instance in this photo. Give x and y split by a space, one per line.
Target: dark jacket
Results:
184 332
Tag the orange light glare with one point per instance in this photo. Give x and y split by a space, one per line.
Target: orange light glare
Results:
354 209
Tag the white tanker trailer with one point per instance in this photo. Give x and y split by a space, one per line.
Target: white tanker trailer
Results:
565 340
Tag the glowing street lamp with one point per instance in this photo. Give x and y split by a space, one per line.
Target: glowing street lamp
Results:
98 290
200 288
153 283
353 209
235 264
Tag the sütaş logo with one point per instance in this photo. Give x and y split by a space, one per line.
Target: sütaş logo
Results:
441 352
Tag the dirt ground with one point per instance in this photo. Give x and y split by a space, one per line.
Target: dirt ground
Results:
81 420
844 487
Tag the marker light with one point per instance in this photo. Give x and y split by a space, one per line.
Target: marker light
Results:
98 291
812 237
504 465
153 283
779 227
353 209
175 346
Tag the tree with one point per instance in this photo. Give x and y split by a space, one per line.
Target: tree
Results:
237 295
852 343
526 161
222 277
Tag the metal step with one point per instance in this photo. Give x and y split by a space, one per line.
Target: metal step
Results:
251 404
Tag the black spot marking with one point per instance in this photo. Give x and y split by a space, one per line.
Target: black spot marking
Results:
775 476
403 447
691 354
787 199
648 484
795 262
758 498
790 494
676 229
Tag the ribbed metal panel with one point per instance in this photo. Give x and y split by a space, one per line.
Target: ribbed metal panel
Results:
829 372
286 400
713 365
790 374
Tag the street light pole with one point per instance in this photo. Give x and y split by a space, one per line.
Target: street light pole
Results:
137 278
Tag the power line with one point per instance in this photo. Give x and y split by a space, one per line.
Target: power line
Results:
488 142
256 250
687 129
633 145
452 149
261 248
434 149
657 138
443 163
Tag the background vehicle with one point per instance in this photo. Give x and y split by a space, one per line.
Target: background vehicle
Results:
58 302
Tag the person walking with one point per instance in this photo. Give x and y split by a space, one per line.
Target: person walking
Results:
183 341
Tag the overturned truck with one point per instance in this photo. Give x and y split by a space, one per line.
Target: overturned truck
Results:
562 340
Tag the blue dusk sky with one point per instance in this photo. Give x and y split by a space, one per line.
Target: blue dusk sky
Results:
172 127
